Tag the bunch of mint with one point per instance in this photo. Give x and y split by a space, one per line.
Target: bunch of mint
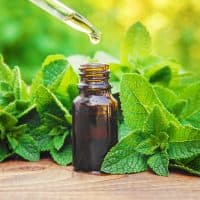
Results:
36 118
159 110
160 103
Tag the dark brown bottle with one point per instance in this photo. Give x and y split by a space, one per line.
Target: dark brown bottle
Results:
94 118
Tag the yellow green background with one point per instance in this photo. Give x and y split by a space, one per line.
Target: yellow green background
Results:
28 34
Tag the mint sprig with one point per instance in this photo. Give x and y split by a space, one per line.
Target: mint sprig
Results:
160 101
159 117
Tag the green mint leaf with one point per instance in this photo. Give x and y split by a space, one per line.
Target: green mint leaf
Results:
46 101
52 71
166 96
7 120
26 147
163 76
117 70
191 93
193 120
6 98
5 86
63 156
195 164
182 80
52 68
59 140
30 117
182 150
124 130
19 87
17 131
17 107
148 146
4 151
67 89
13 143
54 122
5 71
123 158
137 100
156 121
185 168
184 142
179 107
42 137
137 44
183 133
159 163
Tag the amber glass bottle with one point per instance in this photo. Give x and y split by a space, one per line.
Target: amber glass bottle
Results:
94 118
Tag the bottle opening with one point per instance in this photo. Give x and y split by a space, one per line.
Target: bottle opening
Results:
94 76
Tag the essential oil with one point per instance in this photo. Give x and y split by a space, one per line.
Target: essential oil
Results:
94 118
69 17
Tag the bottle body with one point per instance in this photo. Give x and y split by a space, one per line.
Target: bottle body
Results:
94 126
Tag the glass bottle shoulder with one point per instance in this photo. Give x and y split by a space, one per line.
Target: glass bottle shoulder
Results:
95 100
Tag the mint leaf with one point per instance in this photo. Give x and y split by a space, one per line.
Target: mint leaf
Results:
52 71
46 101
182 80
193 120
5 86
191 93
123 131
59 140
181 150
183 133
52 68
185 168
5 71
26 147
30 117
137 43
63 156
195 164
7 120
179 107
17 107
184 142
155 127
137 100
148 146
67 89
123 158
159 163
6 98
42 137
117 70
156 121
166 96
163 76
4 151
19 87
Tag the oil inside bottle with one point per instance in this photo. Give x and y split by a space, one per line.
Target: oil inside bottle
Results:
94 119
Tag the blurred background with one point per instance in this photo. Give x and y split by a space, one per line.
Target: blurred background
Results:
28 34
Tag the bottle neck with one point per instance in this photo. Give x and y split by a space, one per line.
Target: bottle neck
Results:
94 79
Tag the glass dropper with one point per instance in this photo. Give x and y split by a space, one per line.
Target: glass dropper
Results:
69 17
